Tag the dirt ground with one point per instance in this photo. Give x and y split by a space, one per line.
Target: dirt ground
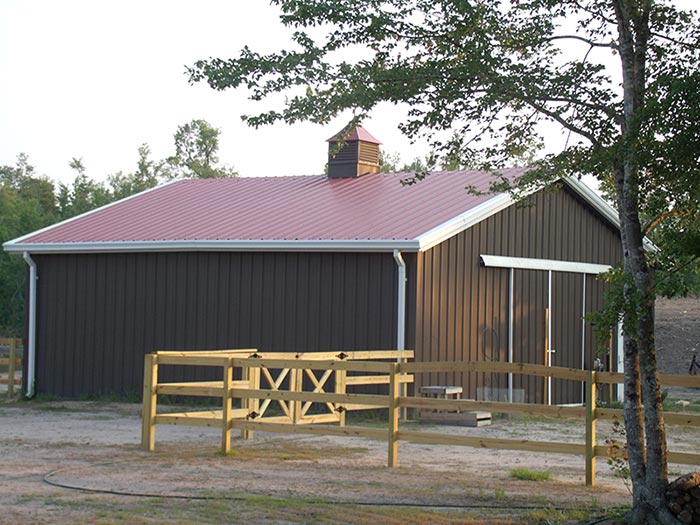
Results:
677 331
93 447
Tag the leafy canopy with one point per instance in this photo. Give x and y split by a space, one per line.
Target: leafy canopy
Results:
29 202
484 79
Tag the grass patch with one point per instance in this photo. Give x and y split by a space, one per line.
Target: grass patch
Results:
670 405
525 474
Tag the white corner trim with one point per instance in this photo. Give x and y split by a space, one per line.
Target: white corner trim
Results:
464 221
595 200
9 244
524 263
208 246
602 206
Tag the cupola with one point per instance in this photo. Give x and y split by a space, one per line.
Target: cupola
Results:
352 155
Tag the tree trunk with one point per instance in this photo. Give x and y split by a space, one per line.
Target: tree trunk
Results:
643 411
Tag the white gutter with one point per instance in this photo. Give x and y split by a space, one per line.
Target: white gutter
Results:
340 245
31 338
401 316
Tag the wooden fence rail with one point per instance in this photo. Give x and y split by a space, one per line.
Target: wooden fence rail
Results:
294 369
13 364
295 401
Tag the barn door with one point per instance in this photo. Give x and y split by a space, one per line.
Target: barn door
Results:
565 334
547 303
548 329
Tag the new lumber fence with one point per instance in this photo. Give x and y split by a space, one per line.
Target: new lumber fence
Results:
11 366
365 368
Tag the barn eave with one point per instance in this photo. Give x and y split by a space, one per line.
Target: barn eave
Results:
340 245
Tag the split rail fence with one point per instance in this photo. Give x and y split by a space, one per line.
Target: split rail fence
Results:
361 368
13 365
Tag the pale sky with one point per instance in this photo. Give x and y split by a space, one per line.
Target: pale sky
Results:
96 79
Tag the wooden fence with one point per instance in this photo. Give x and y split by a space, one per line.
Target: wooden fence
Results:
276 370
13 364
249 418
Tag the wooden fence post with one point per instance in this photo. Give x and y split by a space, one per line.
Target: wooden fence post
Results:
148 413
590 427
393 436
255 402
11 370
226 408
296 381
246 403
340 388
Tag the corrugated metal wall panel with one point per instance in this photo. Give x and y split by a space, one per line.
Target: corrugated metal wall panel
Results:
462 308
99 314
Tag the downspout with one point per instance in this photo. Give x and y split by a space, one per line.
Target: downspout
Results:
31 337
401 303
401 317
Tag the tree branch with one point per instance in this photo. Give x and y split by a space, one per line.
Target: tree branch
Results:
558 118
688 45
658 220
591 43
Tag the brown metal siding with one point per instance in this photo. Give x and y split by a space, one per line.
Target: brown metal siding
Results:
99 314
462 308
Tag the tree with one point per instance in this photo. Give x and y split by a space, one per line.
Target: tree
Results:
27 203
391 163
84 195
147 175
494 71
196 148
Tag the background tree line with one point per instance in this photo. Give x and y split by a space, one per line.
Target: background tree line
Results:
29 201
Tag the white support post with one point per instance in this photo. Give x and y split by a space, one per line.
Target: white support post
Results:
620 361
583 334
511 324
549 335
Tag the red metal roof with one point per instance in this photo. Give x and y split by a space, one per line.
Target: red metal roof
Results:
372 207
359 133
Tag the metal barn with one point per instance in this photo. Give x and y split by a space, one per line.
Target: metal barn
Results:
352 260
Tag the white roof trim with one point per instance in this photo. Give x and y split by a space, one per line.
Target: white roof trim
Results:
602 206
524 263
464 221
233 245
594 200
8 245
